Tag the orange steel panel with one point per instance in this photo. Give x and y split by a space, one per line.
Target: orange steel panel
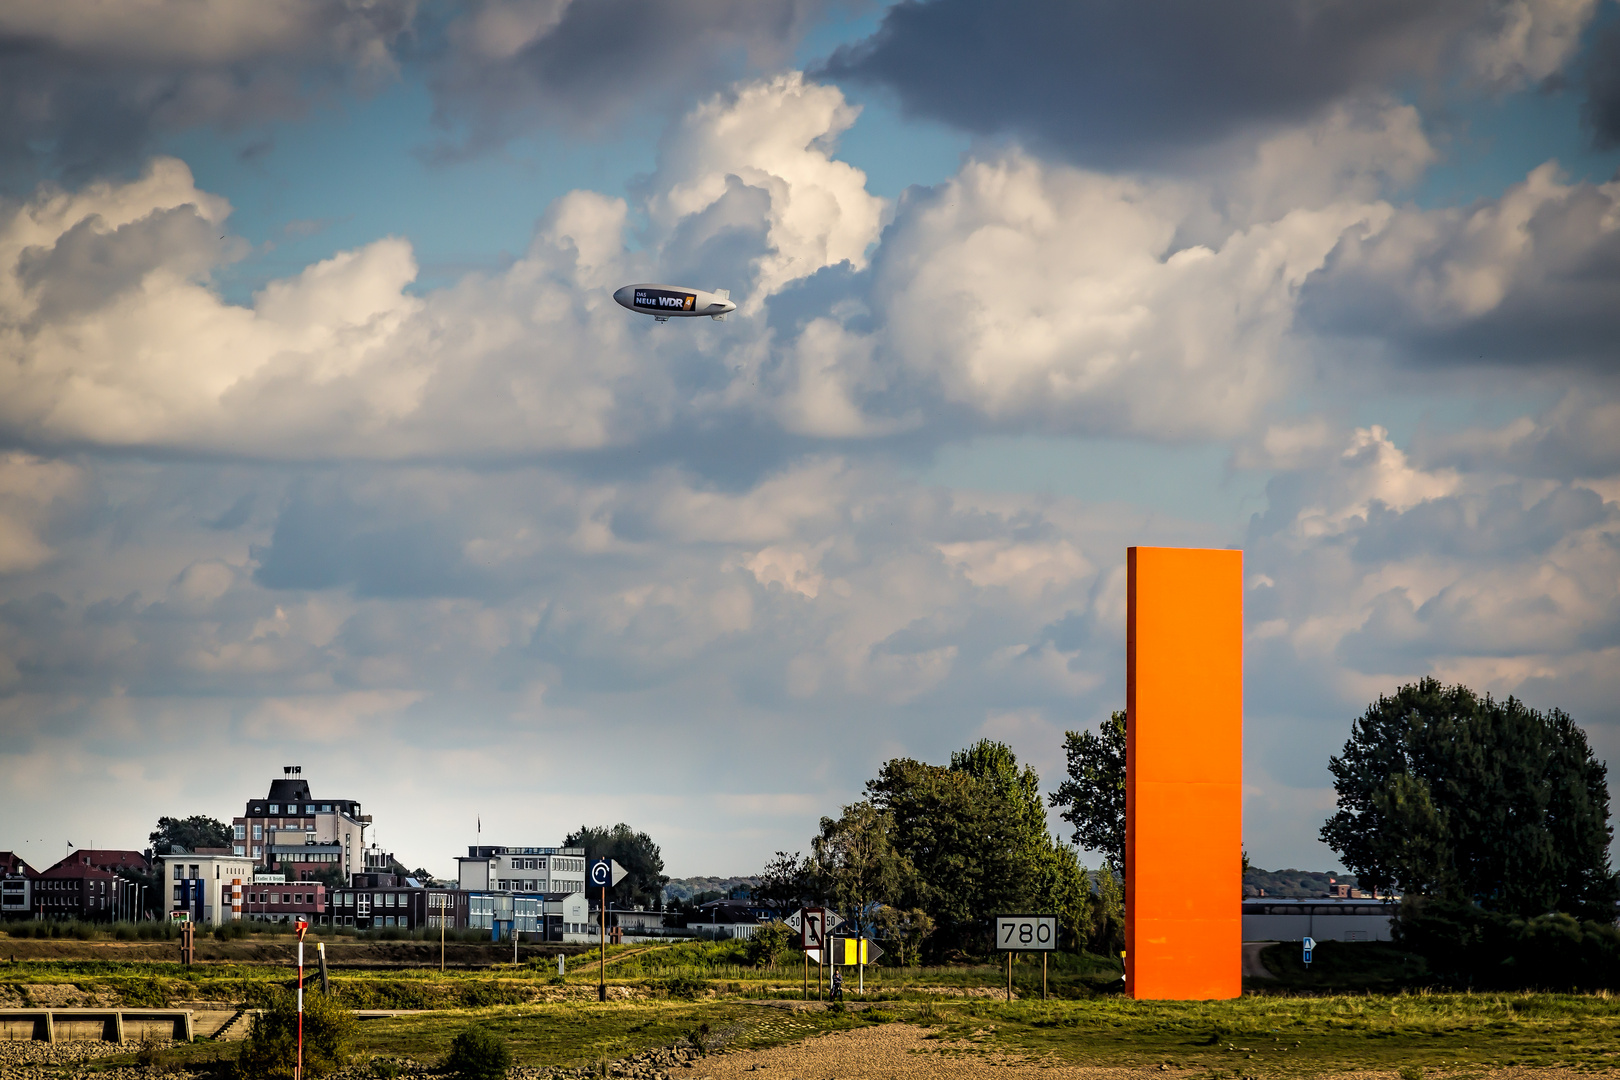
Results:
1184 773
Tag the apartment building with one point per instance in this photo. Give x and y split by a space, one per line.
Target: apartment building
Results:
299 834
522 869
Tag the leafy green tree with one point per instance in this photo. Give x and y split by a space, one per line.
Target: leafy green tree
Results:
1445 794
905 930
188 834
855 860
271 1049
1107 913
785 883
1093 796
644 880
974 837
768 942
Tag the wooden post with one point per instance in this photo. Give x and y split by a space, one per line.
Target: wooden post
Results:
1043 976
601 990
1009 977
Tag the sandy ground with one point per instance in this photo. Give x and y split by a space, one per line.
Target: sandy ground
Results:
902 1052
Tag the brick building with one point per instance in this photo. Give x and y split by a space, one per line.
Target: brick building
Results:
88 885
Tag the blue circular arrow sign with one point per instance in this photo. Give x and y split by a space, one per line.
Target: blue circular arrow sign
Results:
601 873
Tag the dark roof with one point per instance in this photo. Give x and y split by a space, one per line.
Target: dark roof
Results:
289 791
105 859
12 863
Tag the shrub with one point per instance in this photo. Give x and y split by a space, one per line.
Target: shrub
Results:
479 1054
683 986
1467 945
272 1043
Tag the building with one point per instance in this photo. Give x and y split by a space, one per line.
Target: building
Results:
16 886
382 901
553 916
207 884
522 869
312 835
89 884
1324 918
268 900
727 918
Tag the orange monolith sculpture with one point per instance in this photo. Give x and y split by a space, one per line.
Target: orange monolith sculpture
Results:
1184 773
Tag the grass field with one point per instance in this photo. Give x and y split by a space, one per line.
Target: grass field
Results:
1302 1024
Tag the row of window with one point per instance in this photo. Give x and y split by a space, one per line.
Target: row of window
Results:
309 808
346 899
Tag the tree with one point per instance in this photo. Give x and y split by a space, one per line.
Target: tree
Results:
1093 796
1445 794
188 834
785 883
644 879
855 860
905 930
974 839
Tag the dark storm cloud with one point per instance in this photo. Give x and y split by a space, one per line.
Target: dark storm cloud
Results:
1117 81
86 88
600 62
1529 278
1601 110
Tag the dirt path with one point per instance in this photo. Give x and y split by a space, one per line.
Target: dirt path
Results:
1253 968
904 1052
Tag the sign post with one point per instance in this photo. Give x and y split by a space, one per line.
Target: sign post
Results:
300 928
1026 933
605 873
1310 944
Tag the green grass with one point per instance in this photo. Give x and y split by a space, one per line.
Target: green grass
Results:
1274 1035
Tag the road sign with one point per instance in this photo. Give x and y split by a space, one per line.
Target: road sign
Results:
849 951
813 955
1026 933
1310 944
812 928
795 921
606 873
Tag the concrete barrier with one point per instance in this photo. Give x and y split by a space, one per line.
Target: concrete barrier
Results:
110 1025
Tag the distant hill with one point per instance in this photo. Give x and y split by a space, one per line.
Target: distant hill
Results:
686 888
1293 884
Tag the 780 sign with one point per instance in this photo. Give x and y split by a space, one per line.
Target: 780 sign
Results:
1026 933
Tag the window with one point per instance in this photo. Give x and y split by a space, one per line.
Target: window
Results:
257 851
376 899
179 872
326 808
238 849
196 871
177 889
309 809
275 898
239 832
258 832
275 808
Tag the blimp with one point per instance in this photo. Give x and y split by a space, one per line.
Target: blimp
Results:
665 302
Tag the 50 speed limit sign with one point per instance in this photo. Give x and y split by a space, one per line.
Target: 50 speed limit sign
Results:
1026 933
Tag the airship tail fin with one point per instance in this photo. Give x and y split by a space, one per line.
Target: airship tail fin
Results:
724 294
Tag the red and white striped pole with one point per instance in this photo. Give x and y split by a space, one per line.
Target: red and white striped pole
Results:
298 1070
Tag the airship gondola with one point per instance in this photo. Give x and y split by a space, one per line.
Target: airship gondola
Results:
665 302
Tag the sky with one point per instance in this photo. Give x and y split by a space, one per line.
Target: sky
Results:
323 443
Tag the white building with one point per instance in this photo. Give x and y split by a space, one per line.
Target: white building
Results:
522 869
208 884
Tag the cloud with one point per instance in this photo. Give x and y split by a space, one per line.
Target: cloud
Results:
1107 82
1601 78
1528 278
514 65
87 86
